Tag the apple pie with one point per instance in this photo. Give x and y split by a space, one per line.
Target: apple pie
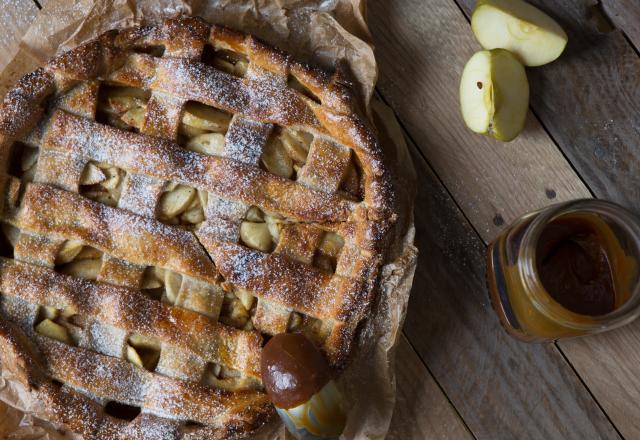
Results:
173 195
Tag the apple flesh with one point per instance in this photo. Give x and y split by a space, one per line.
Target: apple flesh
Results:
494 94
520 28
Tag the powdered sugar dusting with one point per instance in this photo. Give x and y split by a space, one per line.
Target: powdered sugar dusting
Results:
245 140
278 279
267 99
140 194
130 233
122 234
163 159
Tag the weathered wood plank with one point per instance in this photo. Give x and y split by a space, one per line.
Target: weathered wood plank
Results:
589 101
422 410
599 132
421 50
610 365
625 15
15 18
404 34
502 388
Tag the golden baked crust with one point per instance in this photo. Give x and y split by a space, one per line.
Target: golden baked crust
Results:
169 194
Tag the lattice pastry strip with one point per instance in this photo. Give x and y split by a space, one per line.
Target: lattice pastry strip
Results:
81 100
178 38
326 166
174 362
134 386
120 272
201 297
245 140
48 170
140 194
271 318
178 327
21 312
297 242
154 157
101 338
177 137
162 116
36 249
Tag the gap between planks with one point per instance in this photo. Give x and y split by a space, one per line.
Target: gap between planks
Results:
599 378
422 409
418 152
502 388
625 15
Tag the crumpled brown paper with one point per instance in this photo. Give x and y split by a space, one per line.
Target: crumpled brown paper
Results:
322 32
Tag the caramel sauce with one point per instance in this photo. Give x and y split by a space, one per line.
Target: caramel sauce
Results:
574 267
322 415
326 413
293 370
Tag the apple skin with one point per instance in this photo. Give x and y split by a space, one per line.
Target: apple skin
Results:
494 94
519 27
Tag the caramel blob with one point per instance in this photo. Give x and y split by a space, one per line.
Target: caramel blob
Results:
574 267
293 370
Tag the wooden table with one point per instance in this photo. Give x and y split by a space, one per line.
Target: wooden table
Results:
459 375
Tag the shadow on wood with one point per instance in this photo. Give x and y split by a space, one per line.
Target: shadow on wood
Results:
497 384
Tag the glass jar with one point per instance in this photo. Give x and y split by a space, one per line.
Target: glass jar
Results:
568 270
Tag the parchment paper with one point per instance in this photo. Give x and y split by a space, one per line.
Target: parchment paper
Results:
323 32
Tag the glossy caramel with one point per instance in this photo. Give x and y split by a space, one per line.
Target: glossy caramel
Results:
574 268
293 370
583 270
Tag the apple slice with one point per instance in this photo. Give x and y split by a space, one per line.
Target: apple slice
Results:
519 27
494 94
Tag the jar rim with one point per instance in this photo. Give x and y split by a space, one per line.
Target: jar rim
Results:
529 274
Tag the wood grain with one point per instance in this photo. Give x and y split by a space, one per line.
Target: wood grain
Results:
422 410
583 354
15 18
625 15
414 382
502 388
589 101
610 365
422 48
599 132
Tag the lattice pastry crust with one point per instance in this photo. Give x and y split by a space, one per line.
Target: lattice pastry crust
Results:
171 195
